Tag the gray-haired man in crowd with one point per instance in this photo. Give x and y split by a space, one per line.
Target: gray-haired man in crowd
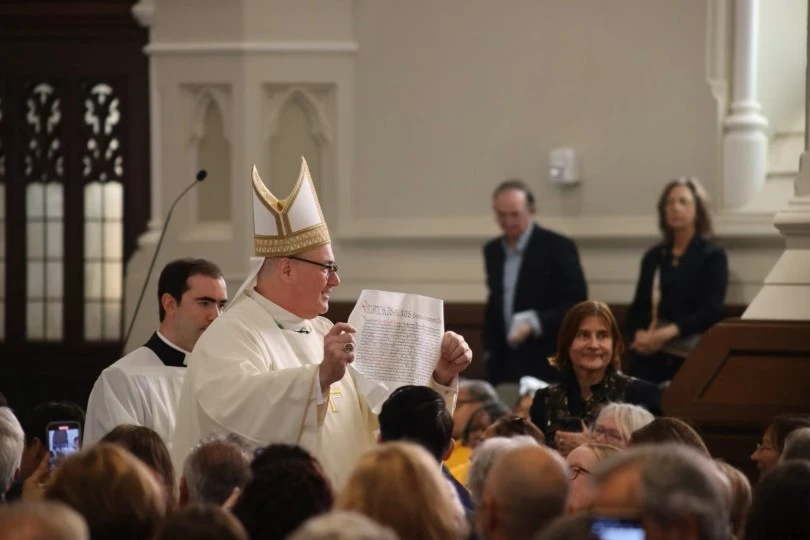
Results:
672 490
472 393
217 467
12 441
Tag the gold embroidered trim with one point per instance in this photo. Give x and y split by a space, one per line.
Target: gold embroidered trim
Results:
306 240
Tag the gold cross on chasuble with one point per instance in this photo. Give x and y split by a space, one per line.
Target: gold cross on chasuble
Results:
333 393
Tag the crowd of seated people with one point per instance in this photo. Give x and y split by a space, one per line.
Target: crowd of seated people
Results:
594 455
567 460
630 470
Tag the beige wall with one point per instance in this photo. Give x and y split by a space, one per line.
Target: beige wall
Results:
451 99
416 109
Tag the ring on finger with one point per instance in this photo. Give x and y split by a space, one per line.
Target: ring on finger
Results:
348 348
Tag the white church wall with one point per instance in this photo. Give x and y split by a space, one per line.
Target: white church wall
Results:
415 110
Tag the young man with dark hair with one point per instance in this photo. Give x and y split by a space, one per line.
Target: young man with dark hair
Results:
419 414
143 387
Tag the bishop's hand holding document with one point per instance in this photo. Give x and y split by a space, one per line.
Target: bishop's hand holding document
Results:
399 342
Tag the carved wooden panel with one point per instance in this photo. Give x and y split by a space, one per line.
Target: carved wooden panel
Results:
741 375
74 167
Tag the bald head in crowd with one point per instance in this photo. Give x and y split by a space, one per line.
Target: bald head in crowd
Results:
41 520
525 490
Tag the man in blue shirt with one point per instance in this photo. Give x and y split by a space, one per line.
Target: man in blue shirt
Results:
534 277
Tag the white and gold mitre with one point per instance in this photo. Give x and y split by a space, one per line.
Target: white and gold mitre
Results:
284 227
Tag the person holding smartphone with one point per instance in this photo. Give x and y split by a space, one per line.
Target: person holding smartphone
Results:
589 352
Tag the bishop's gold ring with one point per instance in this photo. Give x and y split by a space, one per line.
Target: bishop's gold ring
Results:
349 348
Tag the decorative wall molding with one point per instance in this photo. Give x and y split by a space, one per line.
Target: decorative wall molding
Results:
251 47
314 104
201 97
207 96
728 225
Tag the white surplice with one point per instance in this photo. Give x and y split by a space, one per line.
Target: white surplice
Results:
254 373
137 389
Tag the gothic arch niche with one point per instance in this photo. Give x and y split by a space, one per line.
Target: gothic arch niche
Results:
298 126
211 150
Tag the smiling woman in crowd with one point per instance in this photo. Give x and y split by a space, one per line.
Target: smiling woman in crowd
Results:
589 350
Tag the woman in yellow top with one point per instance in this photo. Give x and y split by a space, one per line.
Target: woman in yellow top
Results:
507 427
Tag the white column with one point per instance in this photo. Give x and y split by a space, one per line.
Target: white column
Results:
785 294
745 141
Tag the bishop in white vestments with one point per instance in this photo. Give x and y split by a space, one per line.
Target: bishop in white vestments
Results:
270 369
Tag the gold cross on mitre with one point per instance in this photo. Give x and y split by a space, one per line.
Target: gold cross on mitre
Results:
336 393
285 227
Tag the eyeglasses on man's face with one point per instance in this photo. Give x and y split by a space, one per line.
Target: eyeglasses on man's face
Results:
331 268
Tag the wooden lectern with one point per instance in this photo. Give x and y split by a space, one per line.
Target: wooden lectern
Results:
741 374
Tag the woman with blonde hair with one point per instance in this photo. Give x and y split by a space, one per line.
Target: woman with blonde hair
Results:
399 485
581 462
741 495
116 494
617 421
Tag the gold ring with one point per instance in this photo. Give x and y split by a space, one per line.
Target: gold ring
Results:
348 348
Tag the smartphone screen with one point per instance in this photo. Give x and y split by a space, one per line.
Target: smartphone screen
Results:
606 528
64 438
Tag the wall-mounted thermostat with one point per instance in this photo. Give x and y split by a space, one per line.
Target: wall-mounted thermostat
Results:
563 168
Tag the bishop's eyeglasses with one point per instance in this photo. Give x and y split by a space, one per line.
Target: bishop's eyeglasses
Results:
330 268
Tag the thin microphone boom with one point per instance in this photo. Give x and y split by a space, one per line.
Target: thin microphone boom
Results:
201 174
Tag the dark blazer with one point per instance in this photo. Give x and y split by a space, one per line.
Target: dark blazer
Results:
563 401
550 281
692 292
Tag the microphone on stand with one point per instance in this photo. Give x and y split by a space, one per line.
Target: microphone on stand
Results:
201 175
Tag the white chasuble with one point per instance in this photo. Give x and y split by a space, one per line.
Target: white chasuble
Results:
254 373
